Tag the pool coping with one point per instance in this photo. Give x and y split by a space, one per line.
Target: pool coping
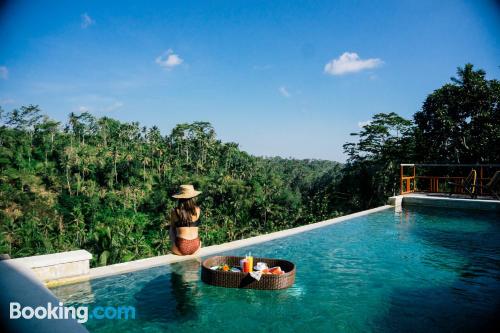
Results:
447 202
141 264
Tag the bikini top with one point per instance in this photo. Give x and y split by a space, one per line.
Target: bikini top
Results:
191 224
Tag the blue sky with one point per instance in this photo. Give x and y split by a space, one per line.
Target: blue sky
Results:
278 77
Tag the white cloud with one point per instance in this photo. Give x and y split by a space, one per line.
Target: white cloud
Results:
113 107
362 124
284 92
169 60
350 63
4 73
99 105
6 101
87 21
262 67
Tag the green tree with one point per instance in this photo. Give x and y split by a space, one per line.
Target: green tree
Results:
372 171
460 122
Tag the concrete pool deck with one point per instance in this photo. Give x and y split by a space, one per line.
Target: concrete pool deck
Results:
146 263
432 200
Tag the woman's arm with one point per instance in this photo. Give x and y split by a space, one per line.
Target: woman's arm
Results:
171 230
173 233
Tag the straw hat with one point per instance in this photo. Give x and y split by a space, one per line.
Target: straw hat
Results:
186 192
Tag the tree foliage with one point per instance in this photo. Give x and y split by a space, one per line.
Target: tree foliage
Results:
105 186
372 171
460 122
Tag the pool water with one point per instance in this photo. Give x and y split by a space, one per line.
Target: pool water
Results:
412 271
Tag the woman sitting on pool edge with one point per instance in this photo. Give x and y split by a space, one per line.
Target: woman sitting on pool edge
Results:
184 221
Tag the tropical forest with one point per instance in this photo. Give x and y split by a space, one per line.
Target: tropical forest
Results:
105 185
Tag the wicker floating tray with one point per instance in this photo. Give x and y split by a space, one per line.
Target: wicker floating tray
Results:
244 280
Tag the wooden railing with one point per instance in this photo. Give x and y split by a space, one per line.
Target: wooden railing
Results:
441 184
408 181
406 184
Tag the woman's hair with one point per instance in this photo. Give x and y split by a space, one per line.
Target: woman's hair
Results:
186 209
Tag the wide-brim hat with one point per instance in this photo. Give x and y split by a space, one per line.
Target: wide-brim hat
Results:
186 192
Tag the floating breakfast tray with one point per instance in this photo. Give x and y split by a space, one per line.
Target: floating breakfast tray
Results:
244 280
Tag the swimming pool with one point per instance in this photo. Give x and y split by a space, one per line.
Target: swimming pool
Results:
421 269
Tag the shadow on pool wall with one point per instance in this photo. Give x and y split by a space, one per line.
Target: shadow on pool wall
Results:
463 305
474 243
446 307
170 297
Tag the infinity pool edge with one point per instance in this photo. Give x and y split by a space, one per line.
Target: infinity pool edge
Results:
140 264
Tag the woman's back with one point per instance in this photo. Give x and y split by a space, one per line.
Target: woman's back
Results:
187 229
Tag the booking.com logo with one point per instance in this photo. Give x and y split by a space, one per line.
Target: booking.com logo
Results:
80 313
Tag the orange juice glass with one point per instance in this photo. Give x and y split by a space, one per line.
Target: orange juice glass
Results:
250 262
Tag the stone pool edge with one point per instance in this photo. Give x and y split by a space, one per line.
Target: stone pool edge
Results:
140 264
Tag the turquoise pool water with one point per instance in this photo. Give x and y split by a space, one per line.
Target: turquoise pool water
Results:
419 270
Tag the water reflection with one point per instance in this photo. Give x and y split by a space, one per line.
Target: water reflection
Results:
454 308
170 297
81 292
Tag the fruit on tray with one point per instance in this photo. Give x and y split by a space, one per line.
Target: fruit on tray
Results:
227 268
276 270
